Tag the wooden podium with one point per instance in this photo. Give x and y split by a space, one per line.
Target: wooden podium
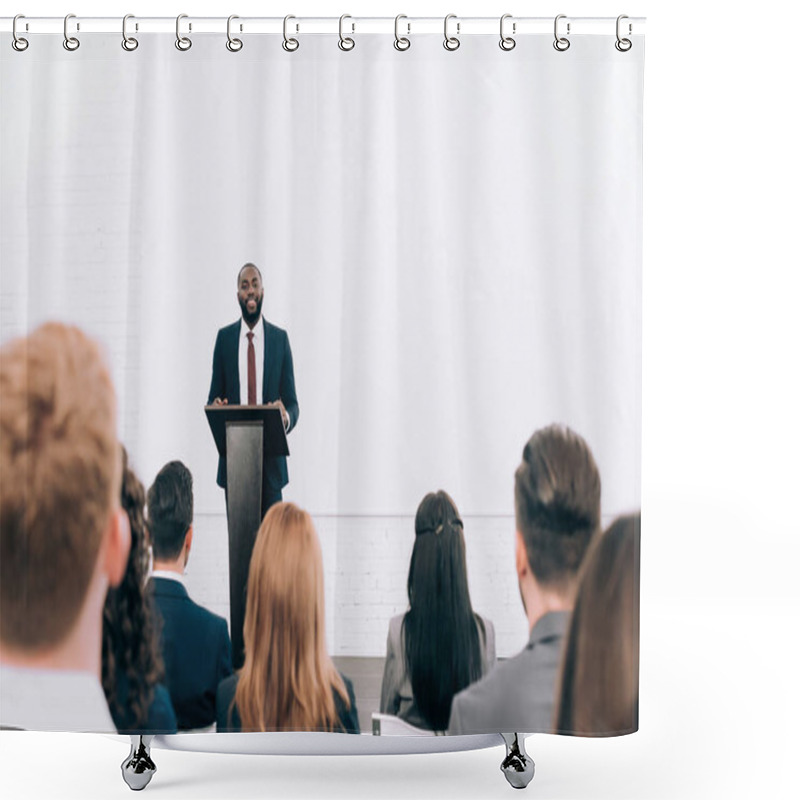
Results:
245 436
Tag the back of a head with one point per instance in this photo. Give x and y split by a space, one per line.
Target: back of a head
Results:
557 503
285 581
60 467
284 629
130 646
599 692
170 508
437 574
440 631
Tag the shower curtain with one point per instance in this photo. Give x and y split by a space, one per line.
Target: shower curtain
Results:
451 239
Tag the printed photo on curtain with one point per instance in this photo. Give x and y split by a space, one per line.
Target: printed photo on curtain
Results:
432 246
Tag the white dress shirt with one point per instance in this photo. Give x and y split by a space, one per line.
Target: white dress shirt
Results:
169 575
53 700
258 345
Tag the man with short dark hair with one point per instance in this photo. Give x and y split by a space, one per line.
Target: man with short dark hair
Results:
194 642
557 503
64 540
252 366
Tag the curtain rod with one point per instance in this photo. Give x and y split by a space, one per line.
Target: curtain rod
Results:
321 25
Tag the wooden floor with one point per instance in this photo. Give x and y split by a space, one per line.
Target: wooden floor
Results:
366 675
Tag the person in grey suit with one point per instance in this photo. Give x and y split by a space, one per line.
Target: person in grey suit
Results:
557 505
440 645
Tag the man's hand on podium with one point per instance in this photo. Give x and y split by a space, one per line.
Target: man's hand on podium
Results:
284 414
223 401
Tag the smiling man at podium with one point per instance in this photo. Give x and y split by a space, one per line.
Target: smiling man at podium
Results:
252 367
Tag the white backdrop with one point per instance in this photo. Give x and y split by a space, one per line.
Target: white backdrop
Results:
720 598
451 239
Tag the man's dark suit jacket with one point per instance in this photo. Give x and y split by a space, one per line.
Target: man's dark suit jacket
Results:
196 650
278 384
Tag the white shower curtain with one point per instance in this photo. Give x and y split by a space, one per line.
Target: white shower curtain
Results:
451 239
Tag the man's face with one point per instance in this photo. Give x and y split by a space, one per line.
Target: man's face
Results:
251 295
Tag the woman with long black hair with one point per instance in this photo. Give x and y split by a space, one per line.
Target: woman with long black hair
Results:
440 645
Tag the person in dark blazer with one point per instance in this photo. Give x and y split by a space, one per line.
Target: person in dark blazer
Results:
267 379
195 644
252 366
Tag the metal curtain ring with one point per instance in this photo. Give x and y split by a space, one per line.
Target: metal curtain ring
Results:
70 42
451 42
346 43
18 42
181 42
289 44
128 42
561 43
234 45
623 45
401 43
506 42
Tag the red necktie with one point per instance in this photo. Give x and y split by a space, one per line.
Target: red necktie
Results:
251 371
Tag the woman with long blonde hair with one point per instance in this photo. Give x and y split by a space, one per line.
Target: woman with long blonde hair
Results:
288 681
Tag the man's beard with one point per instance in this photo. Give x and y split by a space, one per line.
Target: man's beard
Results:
249 318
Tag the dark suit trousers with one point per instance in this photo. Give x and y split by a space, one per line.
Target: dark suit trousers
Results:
238 570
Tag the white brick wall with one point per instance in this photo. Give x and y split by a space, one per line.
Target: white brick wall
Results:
366 565
120 216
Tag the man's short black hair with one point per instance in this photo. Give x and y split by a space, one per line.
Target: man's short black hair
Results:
248 266
170 508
